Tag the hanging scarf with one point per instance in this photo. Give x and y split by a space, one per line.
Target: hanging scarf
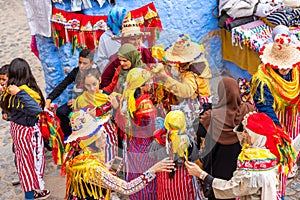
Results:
87 99
33 94
115 18
285 93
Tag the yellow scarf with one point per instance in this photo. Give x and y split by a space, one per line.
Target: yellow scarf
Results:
87 99
33 94
285 93
248 153
80 171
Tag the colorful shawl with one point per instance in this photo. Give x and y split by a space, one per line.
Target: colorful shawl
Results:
285 93
86 99
35 95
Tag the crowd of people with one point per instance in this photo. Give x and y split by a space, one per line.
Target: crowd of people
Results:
148 118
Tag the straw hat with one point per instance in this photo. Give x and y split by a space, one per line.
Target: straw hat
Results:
281 54
130 29
85 127
183 50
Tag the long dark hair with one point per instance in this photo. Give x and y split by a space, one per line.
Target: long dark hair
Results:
19 73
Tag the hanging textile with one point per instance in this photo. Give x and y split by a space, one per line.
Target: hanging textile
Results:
81 30
38 15
148 19
84 31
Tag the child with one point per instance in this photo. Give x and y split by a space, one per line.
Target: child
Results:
3 82
23 101
95 99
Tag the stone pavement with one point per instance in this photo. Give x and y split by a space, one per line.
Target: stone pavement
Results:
15 42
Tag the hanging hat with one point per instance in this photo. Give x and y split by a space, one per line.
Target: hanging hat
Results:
85 127
277 141
281 54
184 50
130 29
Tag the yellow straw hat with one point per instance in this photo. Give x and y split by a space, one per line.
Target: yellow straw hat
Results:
184 50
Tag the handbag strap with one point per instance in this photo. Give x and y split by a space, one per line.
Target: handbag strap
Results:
210 139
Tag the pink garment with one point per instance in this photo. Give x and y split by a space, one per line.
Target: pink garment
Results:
33 46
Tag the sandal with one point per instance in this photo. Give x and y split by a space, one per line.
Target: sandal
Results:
41 194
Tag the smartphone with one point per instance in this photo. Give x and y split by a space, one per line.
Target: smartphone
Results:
116 165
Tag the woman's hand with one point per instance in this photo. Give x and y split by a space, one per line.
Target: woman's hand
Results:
165 165
193 168
113 100
13 89
161 75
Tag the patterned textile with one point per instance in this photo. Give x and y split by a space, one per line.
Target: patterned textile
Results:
287 17
81 30
30 158
180 187
84 31
254 35
138 161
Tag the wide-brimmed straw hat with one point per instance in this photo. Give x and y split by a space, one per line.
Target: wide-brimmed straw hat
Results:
130 29
281 54
184 50
85 127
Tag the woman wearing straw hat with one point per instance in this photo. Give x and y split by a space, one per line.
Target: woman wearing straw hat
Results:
185 80
131 34
266 149
87 174
275 86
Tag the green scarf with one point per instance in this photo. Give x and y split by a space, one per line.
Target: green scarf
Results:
129 52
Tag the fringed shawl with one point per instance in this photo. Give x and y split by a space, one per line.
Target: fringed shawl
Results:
285 93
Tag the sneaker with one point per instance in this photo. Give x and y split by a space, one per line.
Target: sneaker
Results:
15 182
41 194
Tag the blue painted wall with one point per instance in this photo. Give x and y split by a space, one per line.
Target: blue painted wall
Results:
182 16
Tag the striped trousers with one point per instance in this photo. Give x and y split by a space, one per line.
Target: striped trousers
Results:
29 150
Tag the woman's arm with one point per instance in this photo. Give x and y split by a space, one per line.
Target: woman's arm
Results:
104 178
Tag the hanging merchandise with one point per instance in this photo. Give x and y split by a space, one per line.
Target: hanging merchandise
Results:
38 15
254 35
148 20
84 31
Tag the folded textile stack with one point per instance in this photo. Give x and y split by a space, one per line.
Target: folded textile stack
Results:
254 35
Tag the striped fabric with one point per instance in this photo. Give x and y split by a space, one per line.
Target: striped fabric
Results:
293 132
29 150
139 161
180 187
111 141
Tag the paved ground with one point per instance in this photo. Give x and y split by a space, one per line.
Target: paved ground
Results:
15 42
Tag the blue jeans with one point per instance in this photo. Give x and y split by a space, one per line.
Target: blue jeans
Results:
29 195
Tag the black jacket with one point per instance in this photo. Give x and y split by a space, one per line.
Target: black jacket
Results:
70 78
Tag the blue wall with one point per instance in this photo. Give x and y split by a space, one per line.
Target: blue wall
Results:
186 16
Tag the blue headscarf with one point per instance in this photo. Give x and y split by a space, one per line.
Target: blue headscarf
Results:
115 18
